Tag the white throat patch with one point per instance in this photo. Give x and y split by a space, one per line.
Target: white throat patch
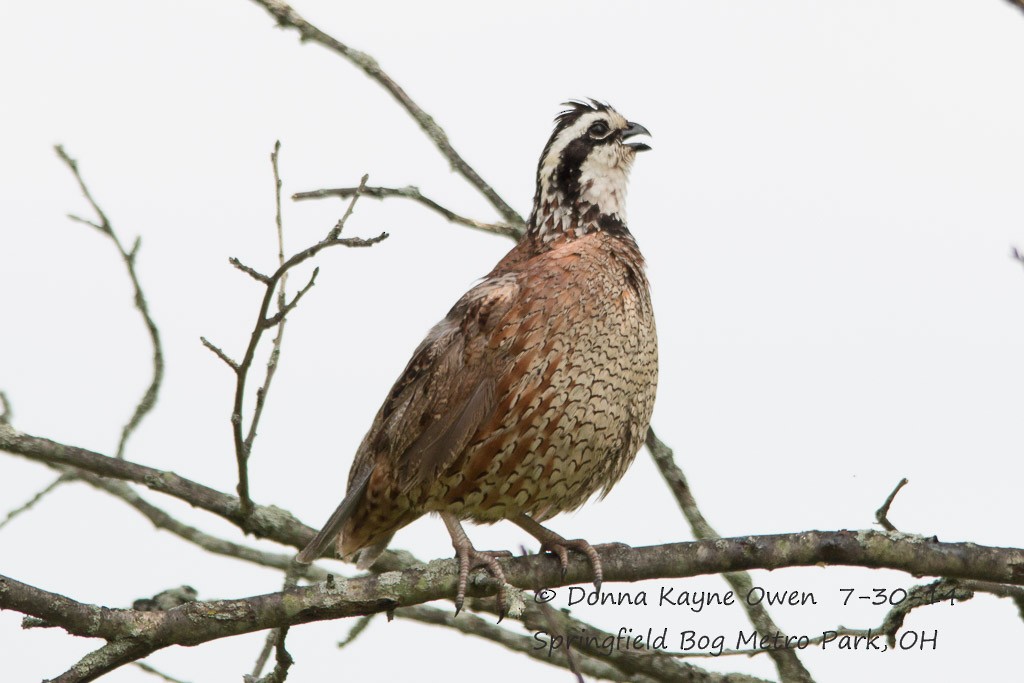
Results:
600 185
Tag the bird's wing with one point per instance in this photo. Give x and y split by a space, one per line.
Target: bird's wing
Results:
445 393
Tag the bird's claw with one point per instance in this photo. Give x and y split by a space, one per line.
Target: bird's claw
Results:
469 558
561 548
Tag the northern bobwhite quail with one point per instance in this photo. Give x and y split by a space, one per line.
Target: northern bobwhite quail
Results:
536 389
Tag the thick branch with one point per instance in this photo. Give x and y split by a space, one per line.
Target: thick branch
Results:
265 522
199 622
289 18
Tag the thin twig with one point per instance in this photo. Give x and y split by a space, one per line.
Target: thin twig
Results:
275 638
571 660
149 398
159 674
282 307
251 272
6 411
282 660
356 630
598 645
789 666
882 513
1015 252
241 441
482 628
114 654
217 351
939 591
288 17
413 193
212 544
31 502
354 197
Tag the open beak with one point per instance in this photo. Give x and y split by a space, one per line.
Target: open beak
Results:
632 130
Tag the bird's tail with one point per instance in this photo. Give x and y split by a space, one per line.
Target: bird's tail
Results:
329 533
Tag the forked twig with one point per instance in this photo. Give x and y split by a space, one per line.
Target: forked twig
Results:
273 290
882 513
148 399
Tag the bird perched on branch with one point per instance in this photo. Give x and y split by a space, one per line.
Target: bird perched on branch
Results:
536 389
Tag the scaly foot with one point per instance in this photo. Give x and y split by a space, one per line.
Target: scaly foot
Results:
470 558
554 543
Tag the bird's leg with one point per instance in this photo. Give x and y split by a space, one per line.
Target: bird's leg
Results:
554 543
470 558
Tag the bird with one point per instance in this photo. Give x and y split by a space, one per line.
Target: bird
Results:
536 389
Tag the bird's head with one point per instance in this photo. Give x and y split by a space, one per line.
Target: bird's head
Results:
583 170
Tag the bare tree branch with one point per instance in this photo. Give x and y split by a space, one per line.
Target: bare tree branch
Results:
6 412
634 664
288 18
31 502
113 655
265 522
513 230
217 351
356 630
155 672
138 633
243 442
148 399
282 306
475 626
882 513
789 666
283 660
275 639
218 546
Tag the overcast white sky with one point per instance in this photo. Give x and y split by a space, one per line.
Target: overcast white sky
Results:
827 213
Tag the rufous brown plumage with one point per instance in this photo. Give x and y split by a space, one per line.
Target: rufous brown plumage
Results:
536 390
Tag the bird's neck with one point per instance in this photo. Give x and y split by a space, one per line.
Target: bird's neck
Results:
557 217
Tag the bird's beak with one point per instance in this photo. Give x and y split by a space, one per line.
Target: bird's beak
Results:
635 129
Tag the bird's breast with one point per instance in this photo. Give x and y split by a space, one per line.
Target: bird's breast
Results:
577 365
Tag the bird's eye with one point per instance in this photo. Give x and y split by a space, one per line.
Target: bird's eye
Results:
598 130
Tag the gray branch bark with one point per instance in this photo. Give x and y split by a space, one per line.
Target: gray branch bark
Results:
133 634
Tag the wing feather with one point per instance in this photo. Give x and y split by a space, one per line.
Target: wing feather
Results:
446 392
